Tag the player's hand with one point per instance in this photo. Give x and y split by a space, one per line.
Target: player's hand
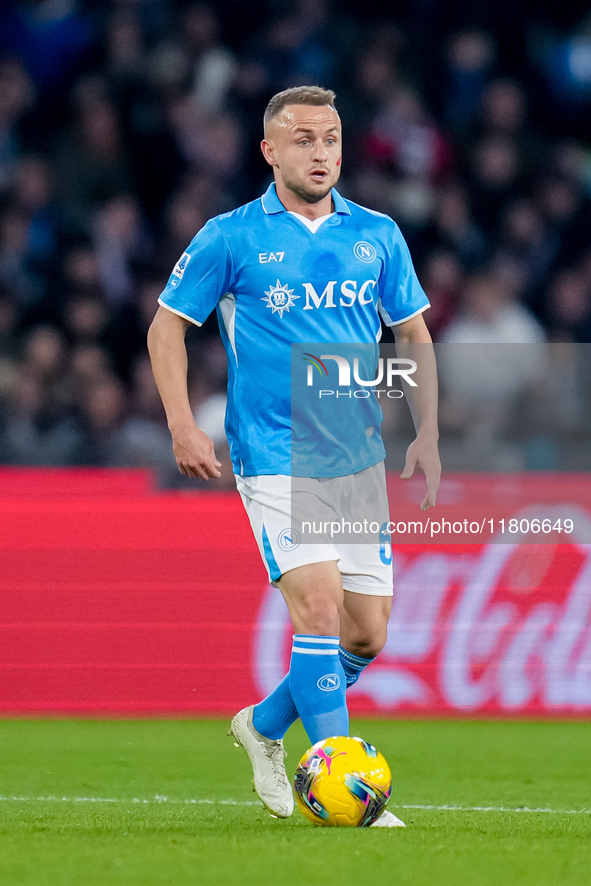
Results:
423 453
194 453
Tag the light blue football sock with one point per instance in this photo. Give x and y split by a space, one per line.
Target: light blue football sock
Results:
318 686
273 716
352 665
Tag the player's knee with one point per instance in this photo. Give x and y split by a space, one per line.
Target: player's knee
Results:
368 643
319 617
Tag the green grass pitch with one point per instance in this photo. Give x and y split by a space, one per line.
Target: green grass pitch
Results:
152 802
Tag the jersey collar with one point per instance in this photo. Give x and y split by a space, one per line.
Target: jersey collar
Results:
272 205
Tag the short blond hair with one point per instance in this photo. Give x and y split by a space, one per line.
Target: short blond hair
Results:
298 95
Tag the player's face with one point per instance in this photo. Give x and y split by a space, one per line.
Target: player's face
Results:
303 144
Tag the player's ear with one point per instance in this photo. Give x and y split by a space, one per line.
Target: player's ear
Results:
268 150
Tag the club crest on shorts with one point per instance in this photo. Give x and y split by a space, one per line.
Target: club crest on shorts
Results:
289 539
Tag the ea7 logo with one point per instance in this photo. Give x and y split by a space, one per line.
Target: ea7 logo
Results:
266 257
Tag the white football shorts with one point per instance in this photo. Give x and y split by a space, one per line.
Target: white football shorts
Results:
365 568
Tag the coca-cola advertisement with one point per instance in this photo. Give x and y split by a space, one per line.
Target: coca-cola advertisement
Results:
497 629
119 600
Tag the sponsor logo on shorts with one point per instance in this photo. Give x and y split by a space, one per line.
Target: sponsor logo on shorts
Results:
329 682
289 539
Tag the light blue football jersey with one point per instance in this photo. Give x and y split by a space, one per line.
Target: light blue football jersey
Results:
274 284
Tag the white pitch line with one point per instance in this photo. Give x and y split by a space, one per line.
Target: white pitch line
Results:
157 799
160 798
496 809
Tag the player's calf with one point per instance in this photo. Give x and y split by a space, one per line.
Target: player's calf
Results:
318 686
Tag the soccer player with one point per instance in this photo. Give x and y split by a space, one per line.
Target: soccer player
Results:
300 264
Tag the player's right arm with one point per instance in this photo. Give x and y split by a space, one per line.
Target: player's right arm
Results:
192 448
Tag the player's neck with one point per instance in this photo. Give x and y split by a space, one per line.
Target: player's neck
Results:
293 203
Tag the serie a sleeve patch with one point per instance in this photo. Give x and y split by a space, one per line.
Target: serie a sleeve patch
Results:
180 267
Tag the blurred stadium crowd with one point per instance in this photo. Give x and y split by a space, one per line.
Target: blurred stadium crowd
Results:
125 125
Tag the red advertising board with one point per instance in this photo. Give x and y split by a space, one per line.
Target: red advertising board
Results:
146 603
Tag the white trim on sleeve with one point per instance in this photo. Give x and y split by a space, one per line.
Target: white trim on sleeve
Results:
179 313
388 320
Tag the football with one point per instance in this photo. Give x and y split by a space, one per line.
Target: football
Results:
342 782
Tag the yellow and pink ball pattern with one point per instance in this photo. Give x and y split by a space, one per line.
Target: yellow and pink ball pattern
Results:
342 782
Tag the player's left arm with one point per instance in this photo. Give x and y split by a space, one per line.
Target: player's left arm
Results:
413 341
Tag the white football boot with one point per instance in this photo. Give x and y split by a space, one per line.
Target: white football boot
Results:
268 768
387 820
